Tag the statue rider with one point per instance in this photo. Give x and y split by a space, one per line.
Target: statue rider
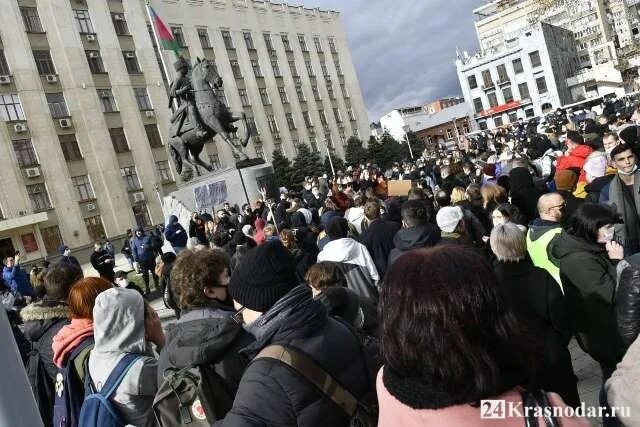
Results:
182 90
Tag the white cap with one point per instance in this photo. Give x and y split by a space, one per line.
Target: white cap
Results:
448 218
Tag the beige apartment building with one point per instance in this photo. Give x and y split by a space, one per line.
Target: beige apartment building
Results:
84 108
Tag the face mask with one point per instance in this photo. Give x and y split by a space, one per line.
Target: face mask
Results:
608 234
122 283
635 168
609 150
67 252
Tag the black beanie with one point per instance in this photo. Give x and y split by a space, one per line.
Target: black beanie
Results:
338 228
266 274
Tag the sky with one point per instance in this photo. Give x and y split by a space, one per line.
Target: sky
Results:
404 51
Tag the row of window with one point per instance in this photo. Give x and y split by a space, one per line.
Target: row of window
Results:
82 19
257 71
284 99
11 108
306 116
248 40
487 79
507 94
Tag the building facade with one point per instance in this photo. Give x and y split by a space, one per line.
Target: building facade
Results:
84 110
523 79
447 127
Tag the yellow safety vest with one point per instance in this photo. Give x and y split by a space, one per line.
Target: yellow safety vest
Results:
538 253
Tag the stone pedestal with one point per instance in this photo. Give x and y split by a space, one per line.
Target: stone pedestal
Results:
210 191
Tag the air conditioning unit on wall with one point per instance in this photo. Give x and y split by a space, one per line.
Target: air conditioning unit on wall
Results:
64 123
91 207
138 197
19 127
52 78
91 37
5 80
150 113
32 172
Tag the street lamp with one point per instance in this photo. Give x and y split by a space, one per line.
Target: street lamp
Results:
406 129
326 146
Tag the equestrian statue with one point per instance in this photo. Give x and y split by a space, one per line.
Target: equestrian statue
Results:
199 116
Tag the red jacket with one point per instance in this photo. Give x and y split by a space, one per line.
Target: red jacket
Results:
575 159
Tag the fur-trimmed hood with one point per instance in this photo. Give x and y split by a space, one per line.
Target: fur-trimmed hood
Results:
45 310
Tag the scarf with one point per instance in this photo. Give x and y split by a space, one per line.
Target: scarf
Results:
69 337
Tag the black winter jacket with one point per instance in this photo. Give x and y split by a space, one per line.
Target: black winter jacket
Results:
588 277
271 394
628 304
406 239
377 239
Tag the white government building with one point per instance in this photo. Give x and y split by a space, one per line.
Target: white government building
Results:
85 110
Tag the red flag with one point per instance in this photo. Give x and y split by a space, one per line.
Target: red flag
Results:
165 36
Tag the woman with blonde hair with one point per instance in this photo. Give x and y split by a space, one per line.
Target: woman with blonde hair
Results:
458 194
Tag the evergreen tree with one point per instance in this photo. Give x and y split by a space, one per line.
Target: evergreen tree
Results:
386 151
355 153
338 163
306 163
417 146
282 169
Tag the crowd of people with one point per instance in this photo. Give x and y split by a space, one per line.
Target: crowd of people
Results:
344 303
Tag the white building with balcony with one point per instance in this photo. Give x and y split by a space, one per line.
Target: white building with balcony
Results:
526 77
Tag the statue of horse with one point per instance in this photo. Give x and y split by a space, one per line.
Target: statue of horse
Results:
186 142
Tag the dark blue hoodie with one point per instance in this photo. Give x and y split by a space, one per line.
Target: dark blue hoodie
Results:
171 233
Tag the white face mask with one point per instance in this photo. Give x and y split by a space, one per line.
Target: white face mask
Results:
67 252
606 234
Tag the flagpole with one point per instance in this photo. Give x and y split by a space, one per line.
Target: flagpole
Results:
155 37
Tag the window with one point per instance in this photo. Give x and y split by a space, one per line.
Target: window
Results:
507 95
472 82
316 93
273 125
307 119
332 95
178 36
256 68
309 68
523 89
276 68
153 135
95 61
285 42
264 96
57 106
338 68
25 153
119 140
120 24
259 150
337 115
31 20
502 73
70 148
486 78
52 239
107 100
248 40
529 112
235 68
4 67
313 144
244 98
164 171
482 125
39 197
517 66
141 214
534 57
131 62
142 97
95 229
323 118
291 124
44 63
332 45
10 107
83 21
449 134
294 70
84 191
214 160
226 38
513 117
343 89
203 35
541 84
251 124
268 43
130 176
323 68
316 42
351 114
300 94
493 99
497 121
303 43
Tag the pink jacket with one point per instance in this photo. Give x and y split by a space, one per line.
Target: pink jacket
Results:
395 413
69 337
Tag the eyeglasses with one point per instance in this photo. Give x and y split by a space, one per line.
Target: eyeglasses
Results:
562 205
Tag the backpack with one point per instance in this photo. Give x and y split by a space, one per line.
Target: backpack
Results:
69 386
361 413
97 408
194 396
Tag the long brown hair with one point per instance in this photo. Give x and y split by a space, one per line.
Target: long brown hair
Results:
82 296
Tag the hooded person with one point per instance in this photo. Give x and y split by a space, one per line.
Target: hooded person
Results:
277 311
205 335
65 253
524 194
175 234
142 248
352 258
416 232
121 322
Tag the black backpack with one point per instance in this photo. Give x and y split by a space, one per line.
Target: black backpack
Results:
194 396
70 386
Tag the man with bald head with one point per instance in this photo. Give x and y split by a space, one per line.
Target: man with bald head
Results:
543 230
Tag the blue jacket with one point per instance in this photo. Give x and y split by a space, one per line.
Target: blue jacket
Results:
171 233
142 250
17 280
